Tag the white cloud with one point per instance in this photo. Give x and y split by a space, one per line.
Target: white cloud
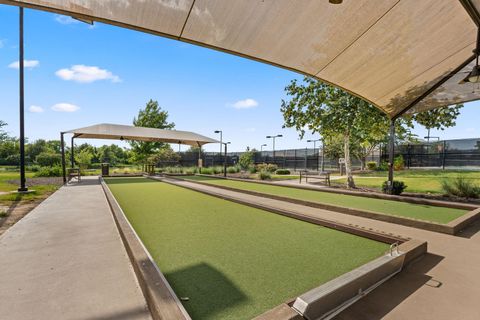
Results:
35 109
65 107
2 43
26 63
65 19
245 104
86 74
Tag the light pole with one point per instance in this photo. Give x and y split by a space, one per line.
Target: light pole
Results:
225 160
314 145
221 136
261 147
273 144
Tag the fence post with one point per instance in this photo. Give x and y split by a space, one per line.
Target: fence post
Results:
444 154
295 160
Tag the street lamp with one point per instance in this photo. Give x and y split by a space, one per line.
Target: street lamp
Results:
221 133
314 145
261 147
225 160
273 145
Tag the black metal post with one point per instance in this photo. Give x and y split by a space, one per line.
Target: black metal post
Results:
23 186
72 157
225 162
306 150
391 154
444 154
62 145
323 155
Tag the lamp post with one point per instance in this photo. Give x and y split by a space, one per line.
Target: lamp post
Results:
261 150
273 144
221 136
225 160
314 145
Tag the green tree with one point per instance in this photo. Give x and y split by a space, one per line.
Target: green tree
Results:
331 112
48 159
84 158
3 133
165 155
439 118
246 159
151 117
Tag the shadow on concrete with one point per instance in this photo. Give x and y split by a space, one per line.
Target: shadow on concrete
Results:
131 314
470 231
208 290
385 298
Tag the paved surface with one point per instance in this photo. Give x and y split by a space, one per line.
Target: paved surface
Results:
65 260
445 284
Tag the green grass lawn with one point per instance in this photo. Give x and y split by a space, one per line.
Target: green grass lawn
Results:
41 190
233 261
403 209
421 181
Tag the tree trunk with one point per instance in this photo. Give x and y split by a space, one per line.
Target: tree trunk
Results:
348 162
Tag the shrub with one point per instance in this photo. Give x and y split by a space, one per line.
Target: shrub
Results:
246 160
252 169
232 169
398 163
217 169
383 166
282 171
190 170
207 171
372 165
397 188
265 175
3 214
48 159
461 187
270 167
55 171
33 168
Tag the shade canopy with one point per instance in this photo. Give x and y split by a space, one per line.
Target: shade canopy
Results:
123 132
401 55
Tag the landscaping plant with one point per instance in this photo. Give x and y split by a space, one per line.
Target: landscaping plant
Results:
397 188
265 175
372 165
282 171
461 187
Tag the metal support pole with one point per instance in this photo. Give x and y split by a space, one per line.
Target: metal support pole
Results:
323 155
391 155
225 162
22 187
274 150
72 157
62 145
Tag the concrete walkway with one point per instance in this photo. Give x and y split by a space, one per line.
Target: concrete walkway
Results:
65 260
445 284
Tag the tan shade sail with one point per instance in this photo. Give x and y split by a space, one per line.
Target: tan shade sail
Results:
122 132
390 52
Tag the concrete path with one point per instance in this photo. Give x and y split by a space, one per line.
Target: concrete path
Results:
65 260
445 284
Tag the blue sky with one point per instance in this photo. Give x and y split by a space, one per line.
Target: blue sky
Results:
105 74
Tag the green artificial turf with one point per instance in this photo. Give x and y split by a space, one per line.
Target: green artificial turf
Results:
233 261
397 208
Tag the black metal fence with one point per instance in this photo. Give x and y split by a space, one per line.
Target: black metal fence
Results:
294 159
460 153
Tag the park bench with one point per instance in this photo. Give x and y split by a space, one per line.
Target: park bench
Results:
322 175
74 173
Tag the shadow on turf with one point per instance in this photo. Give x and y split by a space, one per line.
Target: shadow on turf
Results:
385 298
209 290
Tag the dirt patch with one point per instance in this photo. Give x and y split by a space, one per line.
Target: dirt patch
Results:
16 212
39 181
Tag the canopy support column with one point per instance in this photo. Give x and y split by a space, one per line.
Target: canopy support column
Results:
23 187
391 154
62 145
72 156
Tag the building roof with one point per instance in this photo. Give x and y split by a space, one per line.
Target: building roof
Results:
398 54
123 132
